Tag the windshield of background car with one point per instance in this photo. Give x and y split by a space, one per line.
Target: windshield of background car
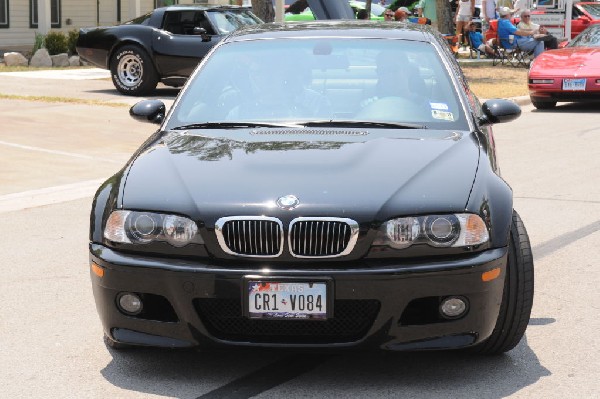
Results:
228 21
303 80
592 9
588 38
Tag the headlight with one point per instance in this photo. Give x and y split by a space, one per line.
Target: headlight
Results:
460 230
131 227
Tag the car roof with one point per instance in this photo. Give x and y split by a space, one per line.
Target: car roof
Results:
203 7
337 28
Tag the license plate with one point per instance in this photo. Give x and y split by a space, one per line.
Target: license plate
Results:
574 84
269 299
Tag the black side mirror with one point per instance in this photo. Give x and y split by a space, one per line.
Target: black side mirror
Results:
198 31
499 111
153 111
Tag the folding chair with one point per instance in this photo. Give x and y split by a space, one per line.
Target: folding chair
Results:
514 56
473 52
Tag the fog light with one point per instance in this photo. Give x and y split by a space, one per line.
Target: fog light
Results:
453 307
130 303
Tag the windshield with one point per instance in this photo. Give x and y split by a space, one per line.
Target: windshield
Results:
228 21
296 81
588 38
592 9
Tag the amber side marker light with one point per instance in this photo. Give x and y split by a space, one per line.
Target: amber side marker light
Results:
98 271
490 275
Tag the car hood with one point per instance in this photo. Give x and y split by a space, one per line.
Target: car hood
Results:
580 60
364 179
331 9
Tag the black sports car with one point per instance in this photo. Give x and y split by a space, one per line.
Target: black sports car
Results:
324 184
163 45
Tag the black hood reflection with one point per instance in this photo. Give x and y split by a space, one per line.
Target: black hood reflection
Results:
370 177
215 149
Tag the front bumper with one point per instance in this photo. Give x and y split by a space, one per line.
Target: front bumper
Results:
391 306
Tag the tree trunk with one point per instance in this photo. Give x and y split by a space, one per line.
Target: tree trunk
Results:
444 16
264 10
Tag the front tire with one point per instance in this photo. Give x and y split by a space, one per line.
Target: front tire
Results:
132 71
517 298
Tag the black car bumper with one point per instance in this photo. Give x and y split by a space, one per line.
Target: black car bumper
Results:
189 303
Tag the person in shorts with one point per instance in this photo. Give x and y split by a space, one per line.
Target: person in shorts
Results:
464 14
477 40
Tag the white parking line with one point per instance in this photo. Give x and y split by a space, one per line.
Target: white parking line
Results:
48 196
56 152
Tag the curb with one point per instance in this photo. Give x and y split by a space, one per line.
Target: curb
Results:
520 101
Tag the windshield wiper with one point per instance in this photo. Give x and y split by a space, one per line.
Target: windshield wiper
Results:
353 123
232 125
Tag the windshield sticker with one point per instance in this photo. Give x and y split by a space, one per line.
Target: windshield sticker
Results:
440 106
447 116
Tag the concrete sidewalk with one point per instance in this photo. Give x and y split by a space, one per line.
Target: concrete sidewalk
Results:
92 84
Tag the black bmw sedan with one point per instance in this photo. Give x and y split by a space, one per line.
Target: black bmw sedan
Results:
318 185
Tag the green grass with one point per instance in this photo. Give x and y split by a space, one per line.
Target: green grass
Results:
498 81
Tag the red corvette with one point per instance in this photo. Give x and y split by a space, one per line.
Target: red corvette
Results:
571 73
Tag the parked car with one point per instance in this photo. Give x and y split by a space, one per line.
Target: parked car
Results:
319 184
571 73
163 45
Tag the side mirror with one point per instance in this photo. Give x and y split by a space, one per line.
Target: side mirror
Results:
198 31
499 111
153 111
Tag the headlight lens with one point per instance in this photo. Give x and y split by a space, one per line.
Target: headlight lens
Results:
131 227
459 230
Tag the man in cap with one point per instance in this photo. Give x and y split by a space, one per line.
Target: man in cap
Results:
521 37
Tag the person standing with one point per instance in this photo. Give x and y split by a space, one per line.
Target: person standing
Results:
519 6
464 14
488 9
427 9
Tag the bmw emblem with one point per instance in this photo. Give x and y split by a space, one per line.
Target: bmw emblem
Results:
288 202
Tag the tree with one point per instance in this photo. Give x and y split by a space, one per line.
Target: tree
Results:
444 16
264 10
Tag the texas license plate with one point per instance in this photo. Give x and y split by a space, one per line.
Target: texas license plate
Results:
574 84
269 299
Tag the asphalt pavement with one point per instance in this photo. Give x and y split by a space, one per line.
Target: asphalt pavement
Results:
53 156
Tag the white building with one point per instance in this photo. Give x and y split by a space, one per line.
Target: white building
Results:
20 20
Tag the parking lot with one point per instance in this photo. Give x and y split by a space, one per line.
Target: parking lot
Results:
55 154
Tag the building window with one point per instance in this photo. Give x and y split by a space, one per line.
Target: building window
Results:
164 3
4 18
55 8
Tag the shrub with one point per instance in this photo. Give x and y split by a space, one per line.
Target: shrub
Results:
72 41
56 43
38 43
